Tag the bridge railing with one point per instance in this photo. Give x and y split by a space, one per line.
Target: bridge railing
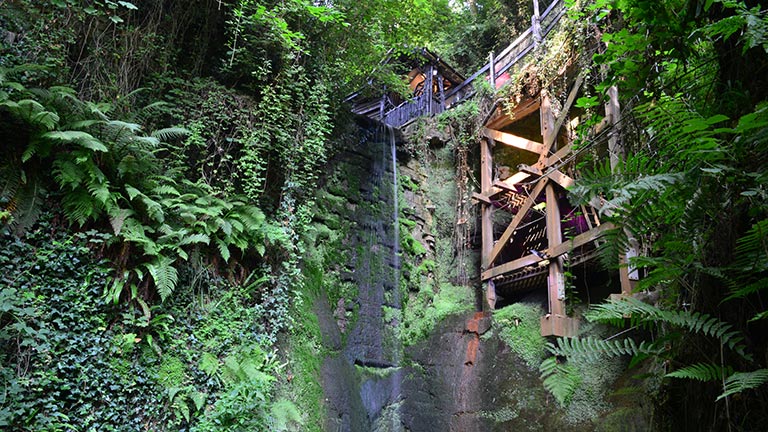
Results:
512 54
428 104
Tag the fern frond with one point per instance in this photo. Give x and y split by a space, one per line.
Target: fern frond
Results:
595 349
168 134
643 314
26 205
80 138
740 381
284 413
194 238
702 372
164 275
562 380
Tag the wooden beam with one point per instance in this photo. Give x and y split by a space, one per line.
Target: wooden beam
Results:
513 140
557 157
486 215
499 119
579 240
482 198
556 279
551 138
555 175
558 177
510 266
553 252
516 221
515 179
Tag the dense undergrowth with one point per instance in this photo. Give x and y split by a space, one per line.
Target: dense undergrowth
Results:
158 195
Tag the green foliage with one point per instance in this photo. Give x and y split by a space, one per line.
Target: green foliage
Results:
643 314
521 331
702 372
73 355
429 308
562 380
742 381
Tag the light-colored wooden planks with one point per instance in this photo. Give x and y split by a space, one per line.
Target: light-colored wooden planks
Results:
514 140
556 279
553 252
486 215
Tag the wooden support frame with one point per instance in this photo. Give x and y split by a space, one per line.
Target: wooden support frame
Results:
556 251
556 280
516 221
513 140
486 223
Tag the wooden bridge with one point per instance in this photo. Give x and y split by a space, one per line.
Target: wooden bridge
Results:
448 87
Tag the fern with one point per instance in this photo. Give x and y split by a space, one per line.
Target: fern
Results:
284 413
82 139
172 133
164 274
562 380
643 314
740 381
702 372
595 349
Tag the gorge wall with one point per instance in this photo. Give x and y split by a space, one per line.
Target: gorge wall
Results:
404 348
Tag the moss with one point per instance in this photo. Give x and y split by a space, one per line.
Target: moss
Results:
406 182
171 372
428 309
501 415
305 354
519 328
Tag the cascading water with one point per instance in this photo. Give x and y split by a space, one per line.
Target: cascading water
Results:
370 397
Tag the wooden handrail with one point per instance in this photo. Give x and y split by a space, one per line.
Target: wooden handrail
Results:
512 46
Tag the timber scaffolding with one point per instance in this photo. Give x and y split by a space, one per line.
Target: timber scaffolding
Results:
528 252
544 232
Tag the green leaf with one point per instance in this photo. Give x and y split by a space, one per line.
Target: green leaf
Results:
702 372
83 139
586 102
209 363
164 274
127 5
740 381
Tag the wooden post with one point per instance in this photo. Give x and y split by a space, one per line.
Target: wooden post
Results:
492 70
486 216
486 184
613 112
616 154
555 322
547 123
441 88
556 280
536 23
428 89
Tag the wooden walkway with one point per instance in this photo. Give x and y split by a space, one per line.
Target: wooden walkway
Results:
428 103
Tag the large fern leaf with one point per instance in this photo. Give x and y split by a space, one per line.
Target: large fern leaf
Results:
702 372
643 314
740 381
562 380
164 275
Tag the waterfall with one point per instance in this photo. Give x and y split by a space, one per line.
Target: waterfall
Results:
395 219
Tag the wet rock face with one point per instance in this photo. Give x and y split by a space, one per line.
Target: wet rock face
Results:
360 380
